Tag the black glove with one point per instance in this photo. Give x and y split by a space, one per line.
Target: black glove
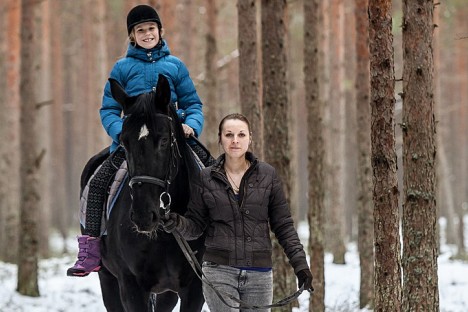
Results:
304 277
170 222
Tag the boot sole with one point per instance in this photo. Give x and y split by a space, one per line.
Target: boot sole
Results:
81 273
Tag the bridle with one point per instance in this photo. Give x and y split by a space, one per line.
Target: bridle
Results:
171 173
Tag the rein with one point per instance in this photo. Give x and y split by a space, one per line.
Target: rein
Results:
190 255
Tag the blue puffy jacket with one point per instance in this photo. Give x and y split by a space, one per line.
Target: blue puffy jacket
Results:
138 73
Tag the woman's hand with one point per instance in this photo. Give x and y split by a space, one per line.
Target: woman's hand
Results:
170 222
304 277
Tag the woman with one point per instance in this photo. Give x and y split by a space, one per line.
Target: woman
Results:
237 202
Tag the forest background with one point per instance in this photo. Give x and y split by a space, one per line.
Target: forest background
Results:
79 41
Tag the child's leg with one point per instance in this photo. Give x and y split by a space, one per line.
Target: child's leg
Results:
89 257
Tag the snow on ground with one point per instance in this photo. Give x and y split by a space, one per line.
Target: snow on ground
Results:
60 293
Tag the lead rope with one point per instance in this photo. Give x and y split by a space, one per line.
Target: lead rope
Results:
190 255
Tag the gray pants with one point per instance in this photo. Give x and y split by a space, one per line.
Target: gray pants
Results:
252 287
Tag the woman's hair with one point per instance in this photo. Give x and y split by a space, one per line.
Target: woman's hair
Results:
233 116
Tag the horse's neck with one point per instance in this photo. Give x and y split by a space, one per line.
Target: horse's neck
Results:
180 191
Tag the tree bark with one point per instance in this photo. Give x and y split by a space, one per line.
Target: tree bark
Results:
316 151
60 215
249 71
31 157
461 130
42 85
276 123
9 126
365 207
350 158
420 289
387 273
211 55
336 153
98 74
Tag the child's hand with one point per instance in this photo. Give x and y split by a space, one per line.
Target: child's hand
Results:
188 130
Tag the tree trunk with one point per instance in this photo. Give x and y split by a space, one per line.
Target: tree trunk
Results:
188 46
9 126
60 213
420 289
31 157
316 152
74 144
3 124
365 207
276 122
98 74
211 55
350 158
387 271
336 137
461 151
445 105
42 85
167 10
249 71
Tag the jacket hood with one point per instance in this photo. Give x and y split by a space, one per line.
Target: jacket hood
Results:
148 55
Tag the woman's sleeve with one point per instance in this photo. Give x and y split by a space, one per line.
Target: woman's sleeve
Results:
282 225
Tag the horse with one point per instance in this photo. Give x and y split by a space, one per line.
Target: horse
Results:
139 259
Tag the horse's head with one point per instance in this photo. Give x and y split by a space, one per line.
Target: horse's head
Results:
152 151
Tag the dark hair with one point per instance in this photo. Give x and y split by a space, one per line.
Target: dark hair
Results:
233 116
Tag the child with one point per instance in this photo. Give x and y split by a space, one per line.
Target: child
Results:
147 56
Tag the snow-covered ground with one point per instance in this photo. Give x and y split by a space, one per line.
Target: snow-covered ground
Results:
61 293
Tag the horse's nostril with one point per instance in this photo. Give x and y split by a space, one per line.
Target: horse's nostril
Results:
131 215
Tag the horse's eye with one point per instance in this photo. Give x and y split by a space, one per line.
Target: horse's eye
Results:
164 141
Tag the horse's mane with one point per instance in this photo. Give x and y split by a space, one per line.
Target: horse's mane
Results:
185 150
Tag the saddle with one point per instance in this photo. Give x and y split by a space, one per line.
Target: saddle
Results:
200 153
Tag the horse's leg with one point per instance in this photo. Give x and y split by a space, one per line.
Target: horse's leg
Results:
191 297
110 291
166 301
134 298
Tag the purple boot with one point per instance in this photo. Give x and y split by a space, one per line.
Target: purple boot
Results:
89 256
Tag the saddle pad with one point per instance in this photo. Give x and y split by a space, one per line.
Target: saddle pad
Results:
114 191
116 187
197 159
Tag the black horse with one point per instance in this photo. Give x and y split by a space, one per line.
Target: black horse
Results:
139 259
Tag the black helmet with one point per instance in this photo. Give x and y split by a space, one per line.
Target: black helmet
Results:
141 14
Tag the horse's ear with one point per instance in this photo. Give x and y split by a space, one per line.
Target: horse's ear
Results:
119 94
163 90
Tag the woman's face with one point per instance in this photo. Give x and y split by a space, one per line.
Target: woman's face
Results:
235 138
146 34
